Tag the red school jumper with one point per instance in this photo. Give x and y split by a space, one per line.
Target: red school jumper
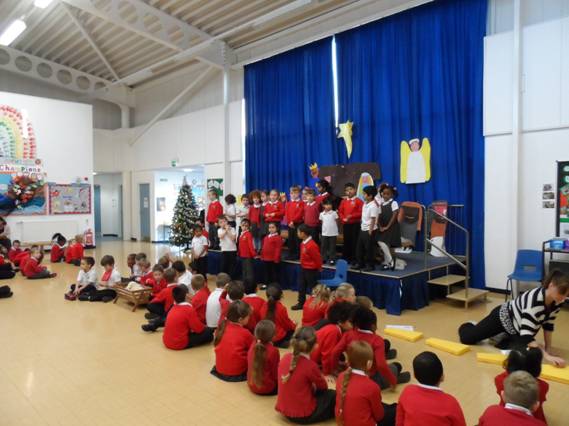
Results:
282 321
165 297
245 248
272 248
270 369
257 303
312 214
275 208
21 259
497 415
255 214
13 253
311 315
180 322
421 406
362 404
199 302
327 338
157 287
543 388
214 210
310 257
74 252
350 210
296 397
294 212
32 267
231 352
56 253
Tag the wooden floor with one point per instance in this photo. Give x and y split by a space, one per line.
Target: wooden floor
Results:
73 363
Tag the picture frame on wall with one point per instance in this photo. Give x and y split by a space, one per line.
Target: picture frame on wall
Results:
69 198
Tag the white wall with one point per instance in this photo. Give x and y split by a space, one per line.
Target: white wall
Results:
65 145
110 185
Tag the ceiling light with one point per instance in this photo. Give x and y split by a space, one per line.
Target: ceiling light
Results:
42 4
188 170
12 32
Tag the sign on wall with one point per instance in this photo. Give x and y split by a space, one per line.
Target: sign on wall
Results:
69 199
562 217
217 185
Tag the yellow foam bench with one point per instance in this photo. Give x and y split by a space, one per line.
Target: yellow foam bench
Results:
491 358
411 336
447 346
550 372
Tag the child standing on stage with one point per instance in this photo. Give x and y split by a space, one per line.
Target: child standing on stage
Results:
200 245
214 211
310 264
274 209
271 254
350 212
294 213
263 361
246 251
227 242
263 225
242 211
255 218
358 398
329 219
230 211
86 279
426 403
389 235
303 394
312 215
365 251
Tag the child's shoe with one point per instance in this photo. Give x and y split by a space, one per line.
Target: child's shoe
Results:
150 316
70 296
53 275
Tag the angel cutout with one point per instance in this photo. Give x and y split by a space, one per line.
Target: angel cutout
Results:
415 161
345 132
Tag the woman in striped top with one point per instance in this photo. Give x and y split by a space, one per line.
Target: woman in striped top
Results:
522 318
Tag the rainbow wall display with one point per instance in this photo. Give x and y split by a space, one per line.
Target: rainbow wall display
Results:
17 138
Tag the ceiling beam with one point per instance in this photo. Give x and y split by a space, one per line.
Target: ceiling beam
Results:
89 39
65 77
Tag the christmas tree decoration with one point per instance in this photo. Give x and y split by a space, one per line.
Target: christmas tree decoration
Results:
186 216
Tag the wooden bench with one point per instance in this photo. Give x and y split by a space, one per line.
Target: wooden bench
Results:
136 297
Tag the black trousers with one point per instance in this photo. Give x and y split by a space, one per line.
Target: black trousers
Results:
200 265
293 242
239 378
157 309
271 272
382 381
6 271
389 415
365 251
285 341
308 279
248 268
325 405
351 231
99 295
40 275
314 232
88 289
228 260
213 238
5 292
197 339
328 248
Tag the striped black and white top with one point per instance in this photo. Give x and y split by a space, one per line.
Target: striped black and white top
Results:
527 314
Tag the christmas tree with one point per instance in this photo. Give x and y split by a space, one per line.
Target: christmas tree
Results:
186 216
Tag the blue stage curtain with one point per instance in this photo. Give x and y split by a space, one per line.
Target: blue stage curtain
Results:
419 74
289 103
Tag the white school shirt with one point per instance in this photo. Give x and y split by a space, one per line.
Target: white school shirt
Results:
370 211
226 243
136 270
394 205
213 308
242 213
114 279
86 278
329 223
186 279
230 212
199 244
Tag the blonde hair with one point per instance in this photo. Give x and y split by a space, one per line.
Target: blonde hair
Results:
302 342
344 290
360 354
321 294
198 282
264 333
364 301
520 388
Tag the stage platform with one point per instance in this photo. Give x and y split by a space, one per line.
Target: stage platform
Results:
393 291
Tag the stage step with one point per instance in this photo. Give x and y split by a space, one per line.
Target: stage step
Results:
473 294
447 280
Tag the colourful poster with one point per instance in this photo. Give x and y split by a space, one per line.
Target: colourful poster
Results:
217 185
562 217
70 199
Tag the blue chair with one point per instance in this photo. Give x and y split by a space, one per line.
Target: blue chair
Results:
339 277
529 268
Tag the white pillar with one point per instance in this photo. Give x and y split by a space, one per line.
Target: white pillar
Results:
125 116
516 119
126 205
226 156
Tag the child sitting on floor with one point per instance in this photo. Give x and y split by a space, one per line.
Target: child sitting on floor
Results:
201 294
6 270
252 299
263 361
521 395
426 403
137 267
303 394
358 398
156 280
23 257
275 311
32 269
110 278
74 252
57 252
161 303
14 251
145 272
213 307
315 307
86 279
130 262
233 291
183 276
365 326
183 328
529 360
232 342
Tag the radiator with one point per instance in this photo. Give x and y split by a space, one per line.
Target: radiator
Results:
32 231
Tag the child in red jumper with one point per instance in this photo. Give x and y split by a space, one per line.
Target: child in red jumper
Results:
529 360
358 398
233 291
310 263
303 394
155 279
161 303
232 342
426 404
183 329
521 394
350 212
254 217
246 251
257 303
316 306
57 252
21 259
201 293
33 270
312 215
276 312
263 361
365 325
271 254
214 212
74 253
294 215
274 209
15 250
339 322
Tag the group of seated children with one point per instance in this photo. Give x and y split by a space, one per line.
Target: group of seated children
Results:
68 251
365 225
88 288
